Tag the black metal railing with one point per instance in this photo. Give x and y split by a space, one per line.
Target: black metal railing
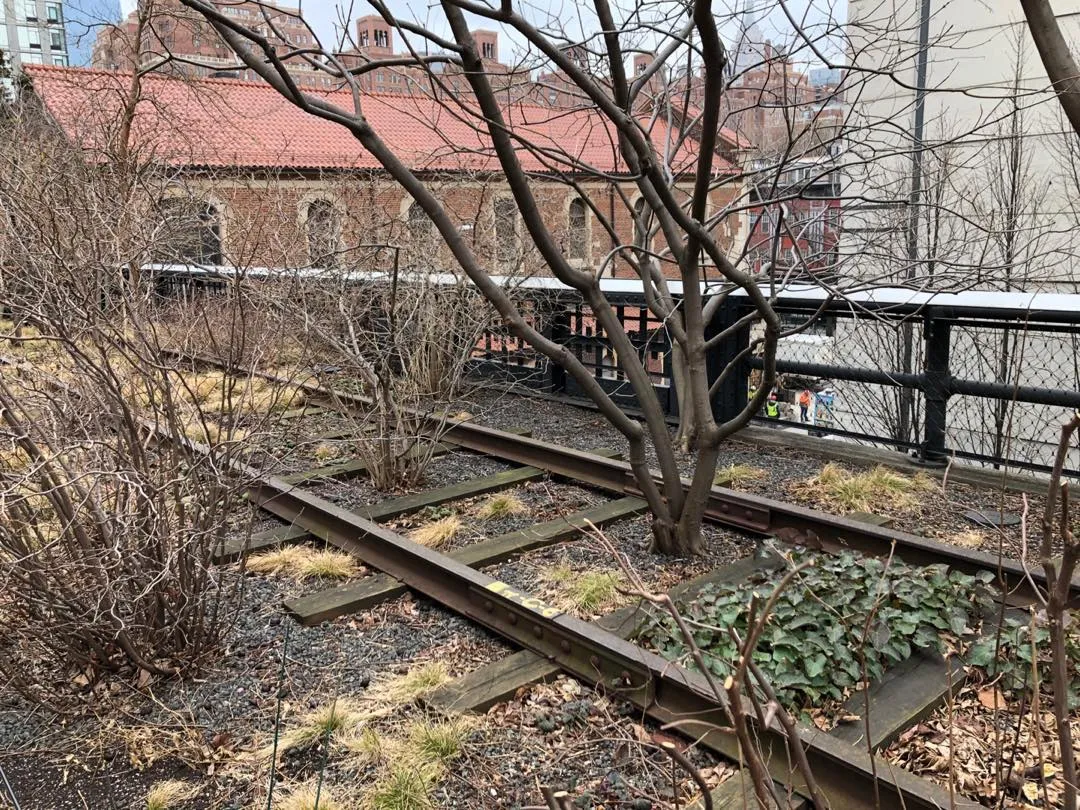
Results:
991 376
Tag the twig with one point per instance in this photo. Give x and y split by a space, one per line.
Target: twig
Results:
277 715
679 758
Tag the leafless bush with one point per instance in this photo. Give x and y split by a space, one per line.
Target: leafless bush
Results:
231 327
108 513
407 343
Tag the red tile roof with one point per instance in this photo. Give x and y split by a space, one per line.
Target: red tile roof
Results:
226 122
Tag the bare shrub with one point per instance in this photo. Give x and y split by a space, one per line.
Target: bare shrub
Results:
407 342
108 513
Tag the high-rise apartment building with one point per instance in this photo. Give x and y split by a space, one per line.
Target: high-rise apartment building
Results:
32 33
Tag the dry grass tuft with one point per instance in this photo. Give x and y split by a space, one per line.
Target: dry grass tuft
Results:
438 533
969 538
325 452
404 787
365 745
14 459
330 564
876 490
501 506
438 742
170 793
303 562
588 592
413 685
303 798
336 720
735 475
212 433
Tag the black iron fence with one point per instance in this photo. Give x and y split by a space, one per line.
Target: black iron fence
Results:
990 376
984 376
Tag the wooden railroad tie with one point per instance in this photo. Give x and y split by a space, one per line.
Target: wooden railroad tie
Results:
329 604
392 508
352 468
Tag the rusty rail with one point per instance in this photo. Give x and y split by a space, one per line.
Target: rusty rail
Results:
667 692
746 512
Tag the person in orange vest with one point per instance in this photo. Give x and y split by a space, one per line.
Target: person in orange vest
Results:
804 405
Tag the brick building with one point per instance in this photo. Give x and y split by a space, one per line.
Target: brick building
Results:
186 44
264 184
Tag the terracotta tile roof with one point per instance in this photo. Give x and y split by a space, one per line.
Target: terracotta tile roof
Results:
226 122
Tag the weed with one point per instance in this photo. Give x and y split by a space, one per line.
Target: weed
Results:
868 491
413 685
303 798
325 451
587 592
735 475
438 742
501 506
404 787
969 538
168 794
843 618
437 534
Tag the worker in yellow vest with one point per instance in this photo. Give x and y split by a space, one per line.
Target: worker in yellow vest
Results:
772 407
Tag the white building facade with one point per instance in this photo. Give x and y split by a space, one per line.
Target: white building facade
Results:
1000 169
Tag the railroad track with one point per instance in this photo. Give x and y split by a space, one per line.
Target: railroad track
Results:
602 653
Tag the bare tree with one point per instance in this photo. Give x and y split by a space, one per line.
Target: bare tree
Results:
677 198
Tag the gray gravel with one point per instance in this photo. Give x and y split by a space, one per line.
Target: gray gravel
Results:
236 695
451 468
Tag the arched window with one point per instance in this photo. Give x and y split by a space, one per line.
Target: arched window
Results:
506 232
421 228
641 223
192 232
579 230
323 233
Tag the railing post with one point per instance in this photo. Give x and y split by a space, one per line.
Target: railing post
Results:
936 389
559 326
730 398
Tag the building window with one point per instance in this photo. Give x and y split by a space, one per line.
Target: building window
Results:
506 235
60 61
382 39
421 228
34 58
487 50
56 40
54 13
323 233
30 10
363 39
192 232
578 230
29 38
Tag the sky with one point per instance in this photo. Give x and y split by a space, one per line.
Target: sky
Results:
82 18
325 15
